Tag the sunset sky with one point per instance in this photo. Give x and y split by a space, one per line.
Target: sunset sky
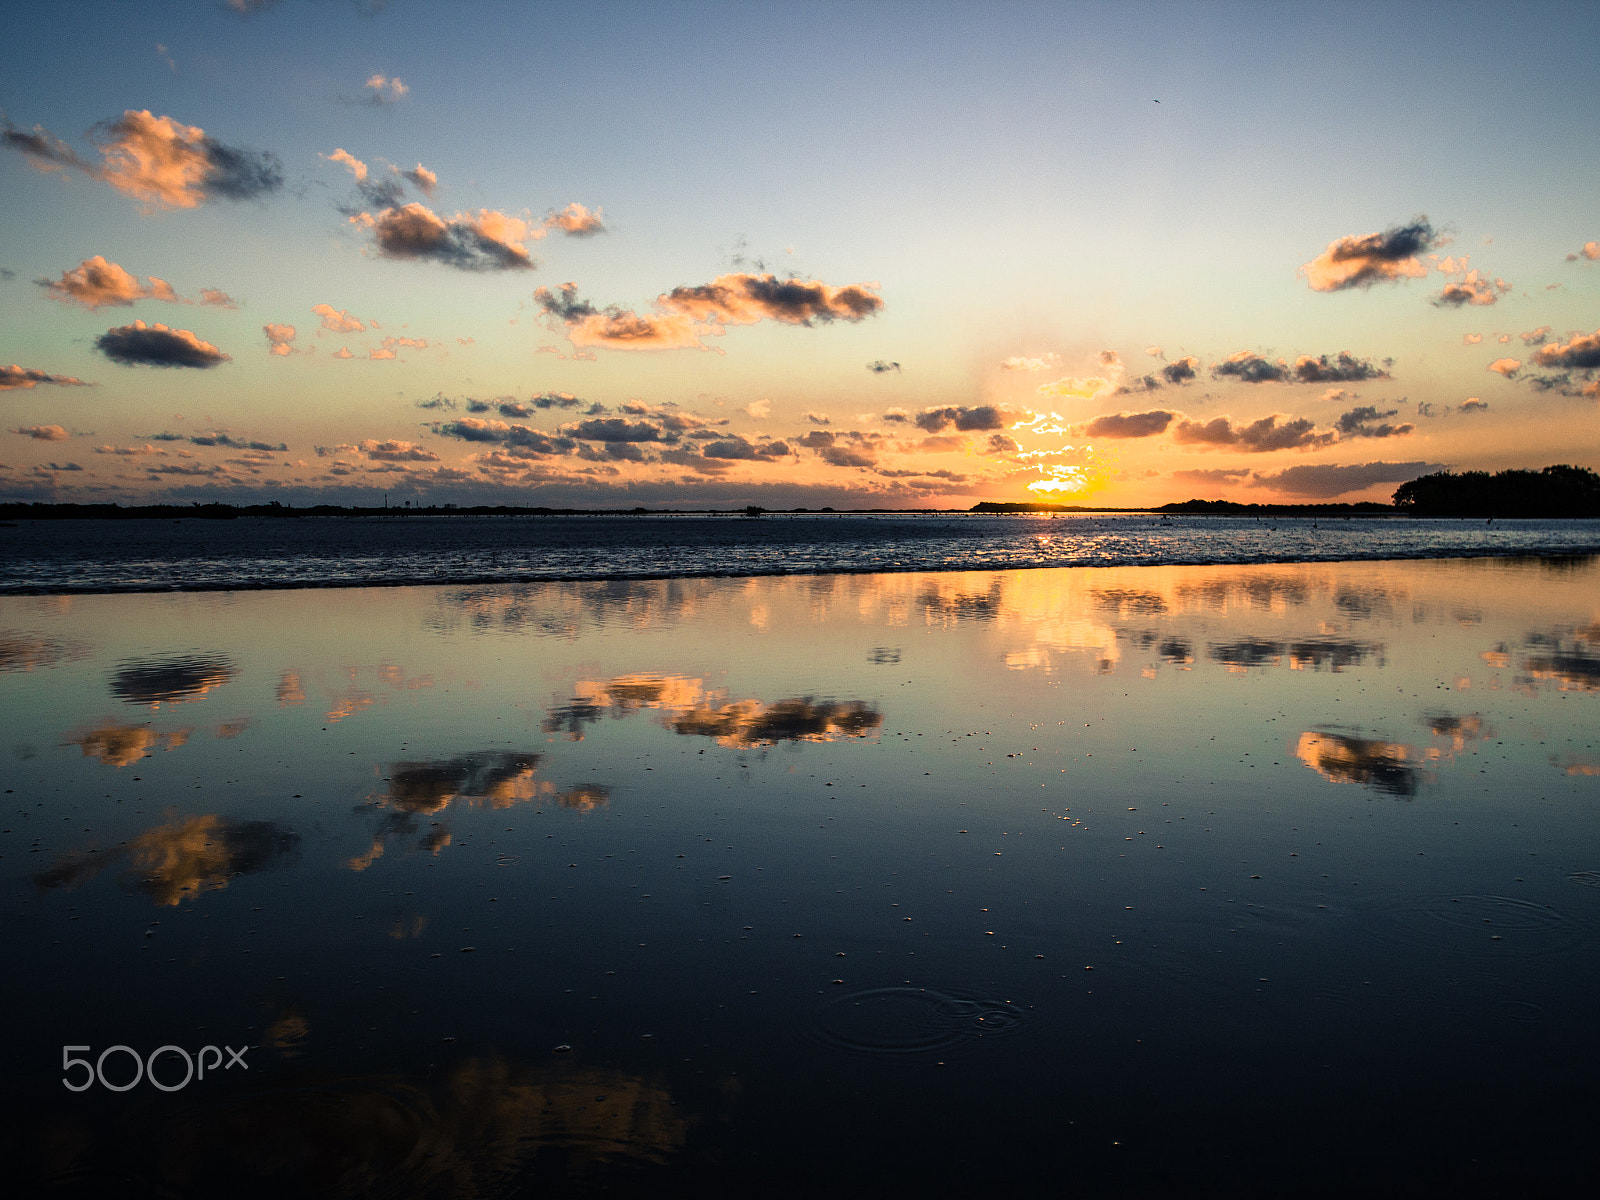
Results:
709 255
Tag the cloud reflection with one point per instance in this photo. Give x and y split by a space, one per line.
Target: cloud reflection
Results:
29 651
174 680
688 708
1386 767
178 861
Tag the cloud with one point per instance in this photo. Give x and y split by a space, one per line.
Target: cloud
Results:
96 283
1078 389
338 320
576 221
1363 422
1181 370
1581 353
1250 367
489 241
424 180
1473 405
396 452
1346 368
1145 383
1507 366
357 167
157 160
967 420
1535 337
743 299
616 429
1325 480
880 367
383 90
1258 437
1472 288
279 337
216 298
1591 251
1130 425
998 443
1044 362
158 346
686 315
1471 339
1366 259
223 438
817 418
44 433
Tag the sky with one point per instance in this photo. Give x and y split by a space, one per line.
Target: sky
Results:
865 255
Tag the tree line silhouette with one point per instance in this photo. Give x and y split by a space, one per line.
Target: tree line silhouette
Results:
1561 491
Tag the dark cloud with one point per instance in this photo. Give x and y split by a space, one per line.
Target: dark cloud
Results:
44 148
879 367
742 299
1145 383
998 443
736 447
440 401
1182 371
844 456
1256 437
1362 260
1473 406
1250 367
163 436
1364 422
158 346
968 420
1325 480
223 439
490 241
1581 353
1130 425
615 429
1344 368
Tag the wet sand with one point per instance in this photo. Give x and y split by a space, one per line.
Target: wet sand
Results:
1228 879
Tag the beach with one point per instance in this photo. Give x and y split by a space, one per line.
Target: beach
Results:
1235 878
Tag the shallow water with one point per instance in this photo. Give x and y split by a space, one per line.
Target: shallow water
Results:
38 557
1233 879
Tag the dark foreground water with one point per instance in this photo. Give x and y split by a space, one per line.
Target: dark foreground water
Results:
39 557
1238 879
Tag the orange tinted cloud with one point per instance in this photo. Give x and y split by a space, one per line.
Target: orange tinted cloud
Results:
577 221
424 180
1582 352
96 283
338 320
357 167
488 241
160 161
14 378
686 315
1472 288
1365 259
44 433
279 336
1505 366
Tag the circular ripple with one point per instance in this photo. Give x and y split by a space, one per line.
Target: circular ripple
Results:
907 1021
1524 1011
1474 924
1586 878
